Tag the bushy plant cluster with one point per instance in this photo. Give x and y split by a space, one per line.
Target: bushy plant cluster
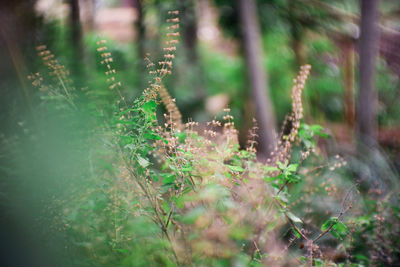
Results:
161 192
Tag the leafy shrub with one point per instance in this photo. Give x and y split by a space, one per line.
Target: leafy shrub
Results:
160 192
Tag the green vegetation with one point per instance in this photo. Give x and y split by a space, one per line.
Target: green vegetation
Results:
118 178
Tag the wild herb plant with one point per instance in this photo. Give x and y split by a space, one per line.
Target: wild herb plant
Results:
161 192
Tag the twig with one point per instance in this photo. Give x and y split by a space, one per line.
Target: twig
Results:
169 214
341 213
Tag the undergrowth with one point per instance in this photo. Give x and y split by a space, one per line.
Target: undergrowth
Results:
161 192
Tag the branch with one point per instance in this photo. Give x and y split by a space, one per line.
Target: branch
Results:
341 213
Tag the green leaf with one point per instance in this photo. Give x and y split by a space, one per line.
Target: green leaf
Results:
275 186
180 203
143 162
181 137
270 179
293 217
317 129
292 167
270 169
282 200
130 147
156 178
293 178
281 165
168 178
361 257
330 222
187 169
309 143
340 230
297 234
151 136
149 107
240 232
318 262
125 251
235 168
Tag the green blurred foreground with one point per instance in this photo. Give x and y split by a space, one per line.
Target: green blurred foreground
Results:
98 169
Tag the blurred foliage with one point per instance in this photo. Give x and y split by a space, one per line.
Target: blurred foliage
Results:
74 172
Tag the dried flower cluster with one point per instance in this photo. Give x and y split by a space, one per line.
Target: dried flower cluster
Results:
59 73
283 149
156 86
106 59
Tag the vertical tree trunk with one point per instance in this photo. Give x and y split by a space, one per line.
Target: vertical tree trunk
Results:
75 24
88 8
18 26
76 39
140 29
348 78
367 101
189 38
188 28
140 40
257 76
296 32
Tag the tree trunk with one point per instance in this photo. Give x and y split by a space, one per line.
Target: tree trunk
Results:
76 39
140 29
296 32
88 8
251 37
189 38
140 40
348 79
367 126
188 28
75 24
18 26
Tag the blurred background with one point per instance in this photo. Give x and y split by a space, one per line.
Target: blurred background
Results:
227 55
243 54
